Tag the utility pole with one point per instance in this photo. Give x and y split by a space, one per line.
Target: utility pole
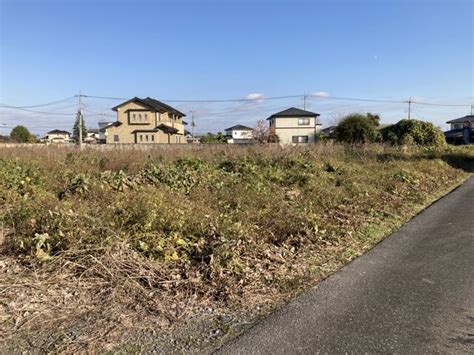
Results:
409 108
79 117
304 101
472 107
193 124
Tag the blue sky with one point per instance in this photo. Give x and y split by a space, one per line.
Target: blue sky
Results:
393 49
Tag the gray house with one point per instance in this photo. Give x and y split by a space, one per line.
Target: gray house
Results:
458 123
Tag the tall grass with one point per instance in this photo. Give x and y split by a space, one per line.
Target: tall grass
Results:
241 228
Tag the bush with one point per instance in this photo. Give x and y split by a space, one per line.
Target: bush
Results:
358 128
21 134
211 138
413 132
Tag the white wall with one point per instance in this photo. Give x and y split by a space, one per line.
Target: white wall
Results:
287 127
241 134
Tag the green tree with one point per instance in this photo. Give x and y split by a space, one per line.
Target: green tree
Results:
413 132
358 128
211 138
75 129
21 134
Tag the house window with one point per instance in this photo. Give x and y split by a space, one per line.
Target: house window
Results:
152 138
457 125
146 137
116 137
141 137
303 121
300 139
138 118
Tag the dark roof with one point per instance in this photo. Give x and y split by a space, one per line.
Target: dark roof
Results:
239 127
462 119
111 124
329 129
93 130
167 129
153 130
155 105
58 131
294 112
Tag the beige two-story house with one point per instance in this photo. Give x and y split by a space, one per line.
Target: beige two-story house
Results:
295 126
146 121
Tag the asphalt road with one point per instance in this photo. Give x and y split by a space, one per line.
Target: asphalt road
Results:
412 293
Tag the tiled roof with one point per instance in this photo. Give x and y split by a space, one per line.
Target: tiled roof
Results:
239 127
294 112
462 119
58 131
153 104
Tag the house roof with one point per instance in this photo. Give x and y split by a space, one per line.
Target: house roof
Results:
329 129
58 131
462 119
294 112
153 130
239 127
153 104
167 129
93 130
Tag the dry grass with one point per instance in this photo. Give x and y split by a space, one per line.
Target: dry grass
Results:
103 246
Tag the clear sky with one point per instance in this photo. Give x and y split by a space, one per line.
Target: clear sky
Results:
392 49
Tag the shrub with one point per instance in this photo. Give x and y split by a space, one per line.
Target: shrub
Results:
211 138
413 132
358 128
21 134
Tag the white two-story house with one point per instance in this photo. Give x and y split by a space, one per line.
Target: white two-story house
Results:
295 126
57 136
239 134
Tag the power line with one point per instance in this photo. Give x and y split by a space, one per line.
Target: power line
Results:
304 97
361 100
435 104
39 105
42 112
204 100
105 97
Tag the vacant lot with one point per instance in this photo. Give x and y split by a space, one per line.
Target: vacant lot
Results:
182 249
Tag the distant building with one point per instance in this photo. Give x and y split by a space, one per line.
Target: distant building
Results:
295 126
190 139
328 131
92 136
102 135
57 136
461 131
146 121
239 134
458 123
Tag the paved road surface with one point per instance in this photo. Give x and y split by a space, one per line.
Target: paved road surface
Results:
413 293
